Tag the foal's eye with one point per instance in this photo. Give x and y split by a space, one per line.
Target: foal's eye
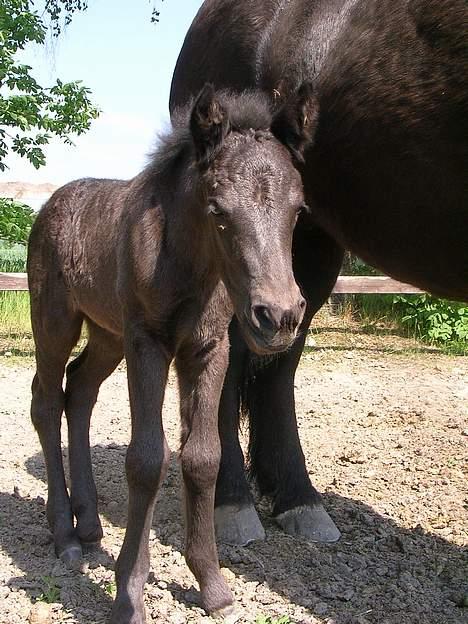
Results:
302 209
214 209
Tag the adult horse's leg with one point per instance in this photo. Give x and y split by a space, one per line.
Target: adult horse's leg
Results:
146 464
236 519
85 374
276 457
56 329
200 382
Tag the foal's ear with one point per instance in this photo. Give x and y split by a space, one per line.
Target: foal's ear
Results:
209 125
296 122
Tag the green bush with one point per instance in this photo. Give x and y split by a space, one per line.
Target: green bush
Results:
428 318
352 265
434 319
16 220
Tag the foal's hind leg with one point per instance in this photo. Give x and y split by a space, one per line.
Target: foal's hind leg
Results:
56 331
85 374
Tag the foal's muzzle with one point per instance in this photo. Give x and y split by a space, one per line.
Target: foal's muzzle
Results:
273 327
271 319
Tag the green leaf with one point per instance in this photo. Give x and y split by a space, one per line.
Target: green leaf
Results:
31 114
16 220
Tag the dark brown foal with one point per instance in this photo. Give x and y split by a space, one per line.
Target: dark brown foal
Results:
157 266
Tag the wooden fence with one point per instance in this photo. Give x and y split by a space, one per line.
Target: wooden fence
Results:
345 285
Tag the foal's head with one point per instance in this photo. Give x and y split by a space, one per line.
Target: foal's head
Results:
250 196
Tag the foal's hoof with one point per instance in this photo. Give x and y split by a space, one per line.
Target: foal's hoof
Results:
238 526
123 612
229 615
72 556
311 523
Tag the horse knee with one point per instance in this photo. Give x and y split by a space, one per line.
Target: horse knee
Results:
46 407
200 466
145 465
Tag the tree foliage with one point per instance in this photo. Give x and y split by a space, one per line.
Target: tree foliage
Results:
16 220
61 12
32 114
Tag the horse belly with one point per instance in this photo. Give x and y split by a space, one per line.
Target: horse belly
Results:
105 313
94 292
410 223
90 270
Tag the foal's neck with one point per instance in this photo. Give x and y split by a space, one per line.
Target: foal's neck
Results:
188 236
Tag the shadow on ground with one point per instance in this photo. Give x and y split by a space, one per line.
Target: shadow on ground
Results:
379 573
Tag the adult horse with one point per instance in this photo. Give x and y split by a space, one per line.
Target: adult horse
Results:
386 178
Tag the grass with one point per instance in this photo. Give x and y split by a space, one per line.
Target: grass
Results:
12 258
110 588
368 314
14 312
51 591
373 311
15 325
14 306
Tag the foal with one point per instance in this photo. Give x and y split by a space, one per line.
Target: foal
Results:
157 266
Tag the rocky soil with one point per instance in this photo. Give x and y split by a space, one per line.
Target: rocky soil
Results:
384 426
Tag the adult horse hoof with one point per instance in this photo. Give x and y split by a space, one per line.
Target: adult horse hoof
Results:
238 526
71 557
312 523
91 547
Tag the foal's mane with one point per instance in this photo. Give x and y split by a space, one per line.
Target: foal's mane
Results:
250 110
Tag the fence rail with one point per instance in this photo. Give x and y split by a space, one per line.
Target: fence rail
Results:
345 285
367 284
13 281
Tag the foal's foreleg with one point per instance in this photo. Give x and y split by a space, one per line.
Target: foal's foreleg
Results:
146 463
200 380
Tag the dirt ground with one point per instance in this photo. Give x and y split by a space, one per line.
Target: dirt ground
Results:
384 427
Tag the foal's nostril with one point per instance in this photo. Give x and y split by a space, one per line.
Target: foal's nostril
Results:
271 318
291 320
263 317
293 317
